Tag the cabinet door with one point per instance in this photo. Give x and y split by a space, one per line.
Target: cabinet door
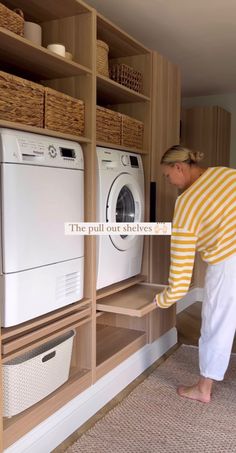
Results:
165 133
206 129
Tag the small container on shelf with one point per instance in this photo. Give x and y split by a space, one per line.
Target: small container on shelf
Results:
132 132
12 20
32 376
127 76
64 113
21 100
108 125
102 58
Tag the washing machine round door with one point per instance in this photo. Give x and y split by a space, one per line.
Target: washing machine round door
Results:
125 203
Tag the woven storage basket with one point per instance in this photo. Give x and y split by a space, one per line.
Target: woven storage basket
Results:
127 76
63 113
108 125
132 132
29 378
21 101
12 20
102 58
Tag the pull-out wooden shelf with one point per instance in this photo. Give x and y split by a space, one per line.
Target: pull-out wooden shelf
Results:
134 301
24 337
35 60
108 290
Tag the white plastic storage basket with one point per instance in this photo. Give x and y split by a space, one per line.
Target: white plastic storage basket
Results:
32 376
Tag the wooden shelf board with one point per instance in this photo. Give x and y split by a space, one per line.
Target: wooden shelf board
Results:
120 147
8 332
17 426
134 301
40 130
120 43
41 11
35 60
114 344
104 292
111 92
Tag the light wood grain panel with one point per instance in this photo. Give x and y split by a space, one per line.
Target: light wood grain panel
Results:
15 331
40 11
39 130
135 301
73 32
165 133
206 129
111 92
114 345
126 322
161 320
44 331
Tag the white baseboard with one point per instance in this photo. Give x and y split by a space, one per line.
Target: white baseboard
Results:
55 429
194 295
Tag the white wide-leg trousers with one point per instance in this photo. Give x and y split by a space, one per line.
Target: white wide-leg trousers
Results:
218 319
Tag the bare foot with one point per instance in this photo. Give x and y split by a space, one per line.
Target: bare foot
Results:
193 392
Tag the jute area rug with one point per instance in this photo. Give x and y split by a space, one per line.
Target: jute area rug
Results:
153 418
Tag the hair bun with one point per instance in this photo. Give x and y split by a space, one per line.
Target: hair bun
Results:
196 156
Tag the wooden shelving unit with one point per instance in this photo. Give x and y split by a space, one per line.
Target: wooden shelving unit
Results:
114 322
59 20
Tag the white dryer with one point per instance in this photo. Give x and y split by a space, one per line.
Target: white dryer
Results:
42 187
120 199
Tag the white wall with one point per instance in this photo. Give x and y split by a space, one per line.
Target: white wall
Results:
226 101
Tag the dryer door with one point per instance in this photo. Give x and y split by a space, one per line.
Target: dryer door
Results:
125 203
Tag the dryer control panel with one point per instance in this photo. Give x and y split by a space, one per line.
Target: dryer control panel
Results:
27 148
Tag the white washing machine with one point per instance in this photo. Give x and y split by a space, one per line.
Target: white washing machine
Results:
120 199
42 187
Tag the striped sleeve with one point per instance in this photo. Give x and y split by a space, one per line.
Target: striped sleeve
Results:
182 254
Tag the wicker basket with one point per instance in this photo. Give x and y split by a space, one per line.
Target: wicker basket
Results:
21 101
31 377
64 113
127 76
131 132
102 58
108 125
12 20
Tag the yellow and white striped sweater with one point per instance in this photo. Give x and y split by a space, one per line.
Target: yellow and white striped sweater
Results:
204 220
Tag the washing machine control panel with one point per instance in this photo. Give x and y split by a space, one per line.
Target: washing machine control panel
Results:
114 160
130 160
